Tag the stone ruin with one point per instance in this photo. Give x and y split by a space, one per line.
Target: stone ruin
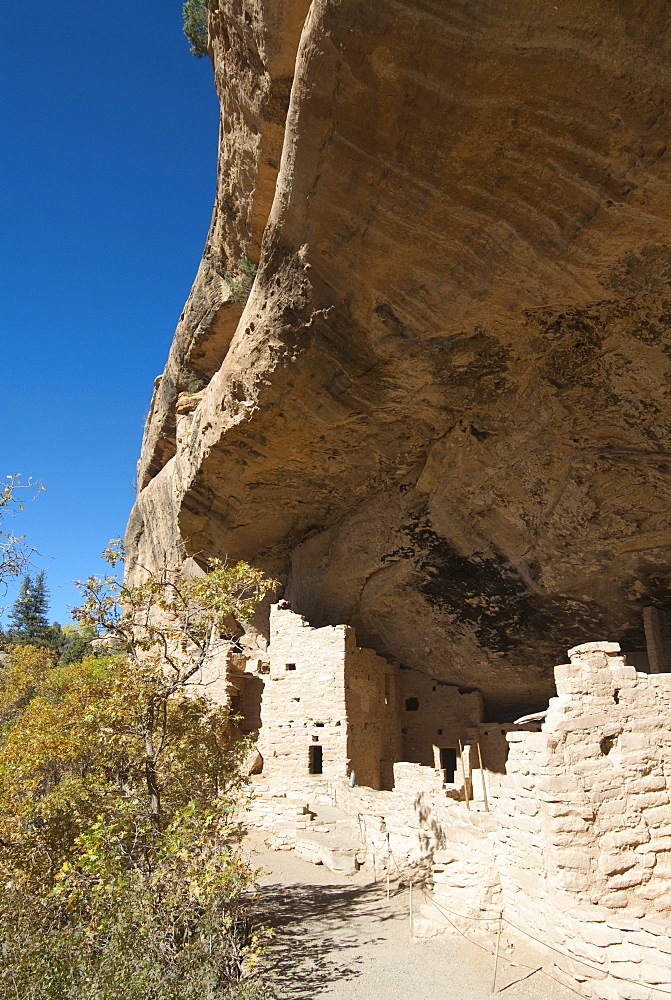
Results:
560 826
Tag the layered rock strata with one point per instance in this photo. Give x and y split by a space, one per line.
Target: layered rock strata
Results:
443 414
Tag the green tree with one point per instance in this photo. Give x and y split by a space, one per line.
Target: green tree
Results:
195 26
75 642
120 874
28 619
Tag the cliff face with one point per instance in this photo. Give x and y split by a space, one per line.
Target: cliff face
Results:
444 414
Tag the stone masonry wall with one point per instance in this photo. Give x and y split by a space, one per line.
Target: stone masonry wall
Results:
575 851
434 714
303 701
579 862
585 832
373 739
363 712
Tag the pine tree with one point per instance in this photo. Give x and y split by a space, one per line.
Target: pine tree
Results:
195 26
29 624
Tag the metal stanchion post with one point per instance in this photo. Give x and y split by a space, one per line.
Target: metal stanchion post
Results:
387 879
496 957
412 928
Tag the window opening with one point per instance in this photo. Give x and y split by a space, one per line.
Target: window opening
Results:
412 704
316 759
319 725
290 666
448 763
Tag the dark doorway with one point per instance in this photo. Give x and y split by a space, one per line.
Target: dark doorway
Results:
316 759
448 763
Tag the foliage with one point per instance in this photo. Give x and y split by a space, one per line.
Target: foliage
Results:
195 26
28 617
74 643
14 554
120 873
241 284
188 381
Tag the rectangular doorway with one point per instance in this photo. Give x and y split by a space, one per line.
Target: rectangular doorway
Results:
316 759
448 763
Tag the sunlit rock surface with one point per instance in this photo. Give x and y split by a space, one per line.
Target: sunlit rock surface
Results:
443 415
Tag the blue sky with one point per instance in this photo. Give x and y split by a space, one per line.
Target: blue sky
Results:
109 135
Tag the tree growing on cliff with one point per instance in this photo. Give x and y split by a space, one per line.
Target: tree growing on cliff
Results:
195 26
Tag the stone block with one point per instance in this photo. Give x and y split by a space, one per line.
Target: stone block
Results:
656 973
571 880
605 991
628 970
569 824
658 816
618 862
578 860
581 948
614 899
658 928
650 800
587 648
629 879
601 935
623 952
632 991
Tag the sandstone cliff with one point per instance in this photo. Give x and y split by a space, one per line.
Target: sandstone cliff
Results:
443 416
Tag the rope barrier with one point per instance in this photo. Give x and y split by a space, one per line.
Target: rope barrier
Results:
543 944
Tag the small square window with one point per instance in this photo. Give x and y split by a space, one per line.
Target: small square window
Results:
290 666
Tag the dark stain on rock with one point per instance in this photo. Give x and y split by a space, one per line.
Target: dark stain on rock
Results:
276 105
644 270
571 362
489 595
392 323
473 361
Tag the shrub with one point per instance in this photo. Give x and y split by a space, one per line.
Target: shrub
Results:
241 284
188 381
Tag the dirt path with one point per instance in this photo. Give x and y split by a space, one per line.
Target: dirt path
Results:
339 937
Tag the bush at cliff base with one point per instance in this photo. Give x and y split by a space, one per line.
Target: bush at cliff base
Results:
98 901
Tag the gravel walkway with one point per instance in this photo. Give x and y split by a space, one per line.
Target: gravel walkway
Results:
339 937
